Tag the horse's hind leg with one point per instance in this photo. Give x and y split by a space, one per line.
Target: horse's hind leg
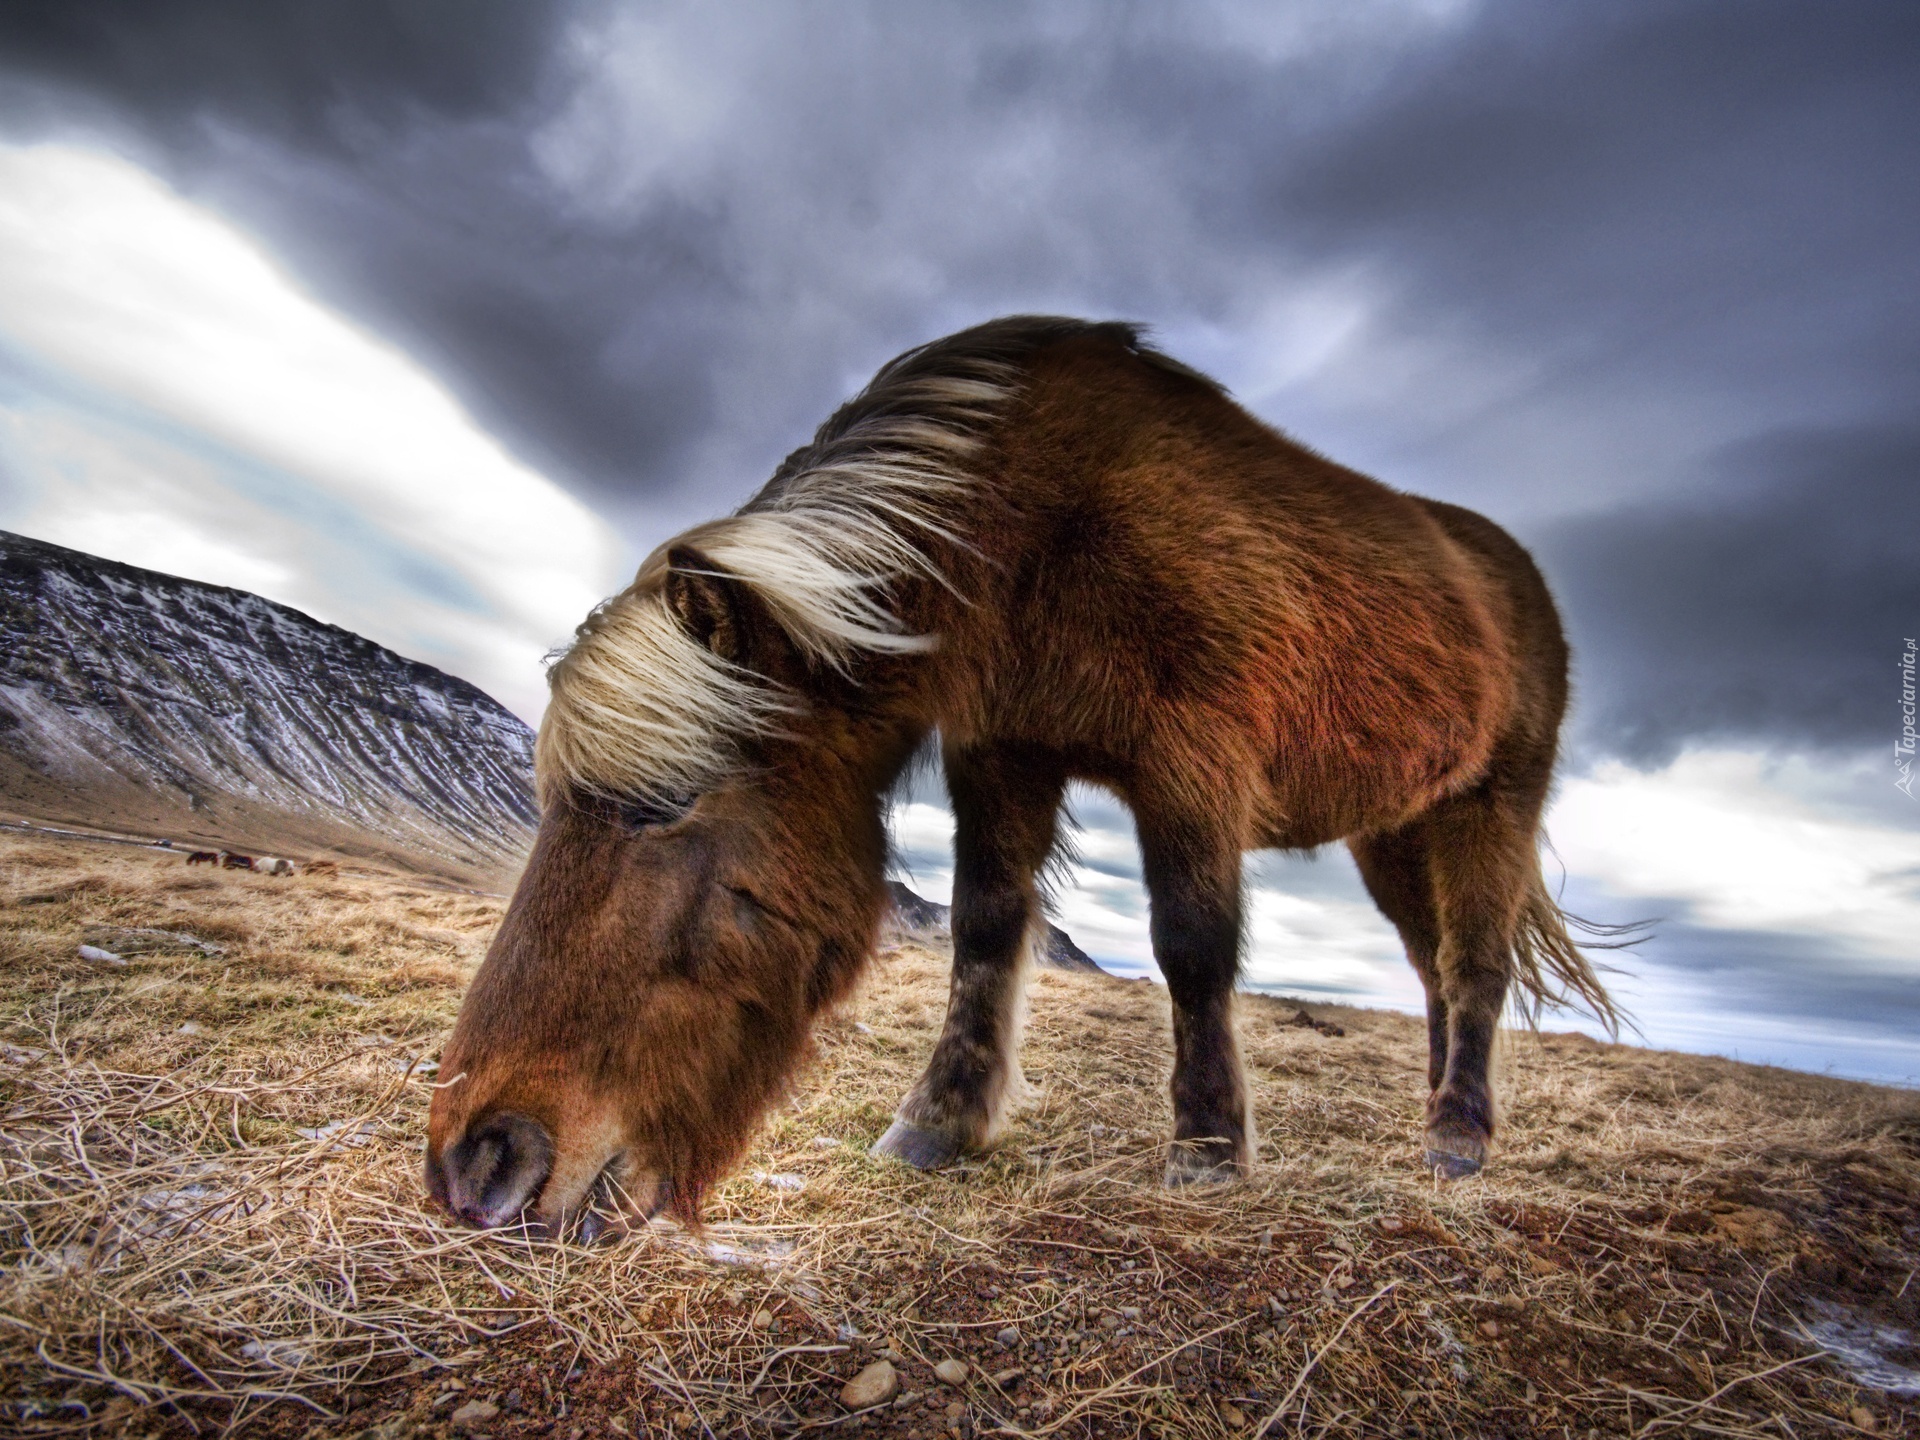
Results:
1005 804
1394 867
1192 872
1480 856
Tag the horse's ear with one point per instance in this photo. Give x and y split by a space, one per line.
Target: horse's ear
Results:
722 612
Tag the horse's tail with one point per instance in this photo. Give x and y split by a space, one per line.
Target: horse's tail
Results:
1552 970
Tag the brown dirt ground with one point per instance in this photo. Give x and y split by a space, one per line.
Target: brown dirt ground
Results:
186 1247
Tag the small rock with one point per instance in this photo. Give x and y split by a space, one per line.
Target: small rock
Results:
474 1412
1007 1379
193 1027
1110 1321
763 1319
956 1411
1863 1419
1007 1337
1131 1312
683 1419
875 1385
1234 1417
951 1372
1490 1329
99 956
1494 1274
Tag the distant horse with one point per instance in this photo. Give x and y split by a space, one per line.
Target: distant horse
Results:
1073 558
204 857
236 862
272 865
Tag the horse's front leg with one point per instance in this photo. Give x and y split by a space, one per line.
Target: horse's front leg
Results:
1005 803
1192 872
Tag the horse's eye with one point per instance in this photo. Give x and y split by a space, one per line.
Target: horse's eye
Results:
639 811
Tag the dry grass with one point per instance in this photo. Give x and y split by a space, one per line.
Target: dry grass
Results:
212 1220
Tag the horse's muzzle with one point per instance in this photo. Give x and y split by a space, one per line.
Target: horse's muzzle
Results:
494 1174
494 1171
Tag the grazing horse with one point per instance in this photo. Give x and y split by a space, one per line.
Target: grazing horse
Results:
1070 557
273 865
236 862
204 857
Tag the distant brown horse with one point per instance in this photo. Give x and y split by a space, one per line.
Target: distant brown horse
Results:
236 862
1073 558
204 857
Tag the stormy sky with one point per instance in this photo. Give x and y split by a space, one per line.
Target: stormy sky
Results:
432 318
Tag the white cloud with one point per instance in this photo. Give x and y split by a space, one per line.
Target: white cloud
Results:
177 401
1738 838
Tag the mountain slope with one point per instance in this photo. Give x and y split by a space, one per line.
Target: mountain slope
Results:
140 701
926 919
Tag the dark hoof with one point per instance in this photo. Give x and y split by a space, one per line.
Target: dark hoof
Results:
1189 1163
1451 1167
920 1147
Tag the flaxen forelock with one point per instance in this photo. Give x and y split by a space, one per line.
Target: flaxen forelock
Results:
639 707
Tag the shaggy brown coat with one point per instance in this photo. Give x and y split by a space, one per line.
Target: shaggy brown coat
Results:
1073 558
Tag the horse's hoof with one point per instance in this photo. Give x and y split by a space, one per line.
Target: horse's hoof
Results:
920 1147
1451 1167
1190 1164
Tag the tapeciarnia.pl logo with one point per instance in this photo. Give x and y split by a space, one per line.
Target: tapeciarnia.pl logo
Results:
1903 747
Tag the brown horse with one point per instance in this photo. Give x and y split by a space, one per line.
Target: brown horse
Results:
1071 557
204 857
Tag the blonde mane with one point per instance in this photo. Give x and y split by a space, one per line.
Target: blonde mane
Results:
640 708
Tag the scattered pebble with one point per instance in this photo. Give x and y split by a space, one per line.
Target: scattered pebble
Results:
193 1027
1131 1312
1234 1417
763 1319
101 957
1863 1419
1110 1321
875 1385
1007 1379
1009 1337
1490 1329
951 1372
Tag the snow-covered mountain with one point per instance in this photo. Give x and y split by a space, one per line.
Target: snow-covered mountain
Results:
141 702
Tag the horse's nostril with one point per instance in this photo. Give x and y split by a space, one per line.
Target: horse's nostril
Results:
494 1171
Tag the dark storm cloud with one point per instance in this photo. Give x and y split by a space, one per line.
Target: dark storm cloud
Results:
1686 228
320 76
1771 603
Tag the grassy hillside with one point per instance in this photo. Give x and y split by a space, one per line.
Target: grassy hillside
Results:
210 1213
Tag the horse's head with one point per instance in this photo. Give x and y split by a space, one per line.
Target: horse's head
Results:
652 985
